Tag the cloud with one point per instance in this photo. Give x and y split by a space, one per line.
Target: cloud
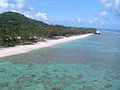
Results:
20 4
28 15
79 20
108 3
41 16
93 21
4 4
96 21
103 13
112 5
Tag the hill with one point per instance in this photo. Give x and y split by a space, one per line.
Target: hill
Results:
14 18
16 29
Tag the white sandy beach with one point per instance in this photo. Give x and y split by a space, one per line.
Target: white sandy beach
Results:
26 48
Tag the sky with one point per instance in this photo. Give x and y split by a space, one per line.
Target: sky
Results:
77 13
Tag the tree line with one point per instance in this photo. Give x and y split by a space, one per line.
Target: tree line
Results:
10 36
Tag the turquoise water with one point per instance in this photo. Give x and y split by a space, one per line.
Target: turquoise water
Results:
91 63
107 42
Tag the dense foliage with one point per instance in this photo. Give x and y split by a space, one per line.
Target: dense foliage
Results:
16 29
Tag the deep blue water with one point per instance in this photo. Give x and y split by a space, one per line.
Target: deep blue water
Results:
91 63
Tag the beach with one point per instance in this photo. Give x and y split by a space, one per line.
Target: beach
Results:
27 48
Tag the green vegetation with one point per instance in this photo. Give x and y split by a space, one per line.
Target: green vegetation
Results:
16 29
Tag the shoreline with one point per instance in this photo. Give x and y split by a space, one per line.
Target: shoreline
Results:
4 52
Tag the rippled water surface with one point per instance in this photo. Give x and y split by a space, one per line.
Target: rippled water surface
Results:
91 63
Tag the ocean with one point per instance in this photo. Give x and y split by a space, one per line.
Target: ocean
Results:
91 63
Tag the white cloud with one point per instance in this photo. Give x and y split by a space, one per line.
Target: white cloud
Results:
4 4
30 8
103 13
93 21
96 21
28 15
113 5
108 3
79 20
102 23
42 16
20 4
117 2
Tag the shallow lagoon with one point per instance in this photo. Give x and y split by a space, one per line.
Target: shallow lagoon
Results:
92 63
